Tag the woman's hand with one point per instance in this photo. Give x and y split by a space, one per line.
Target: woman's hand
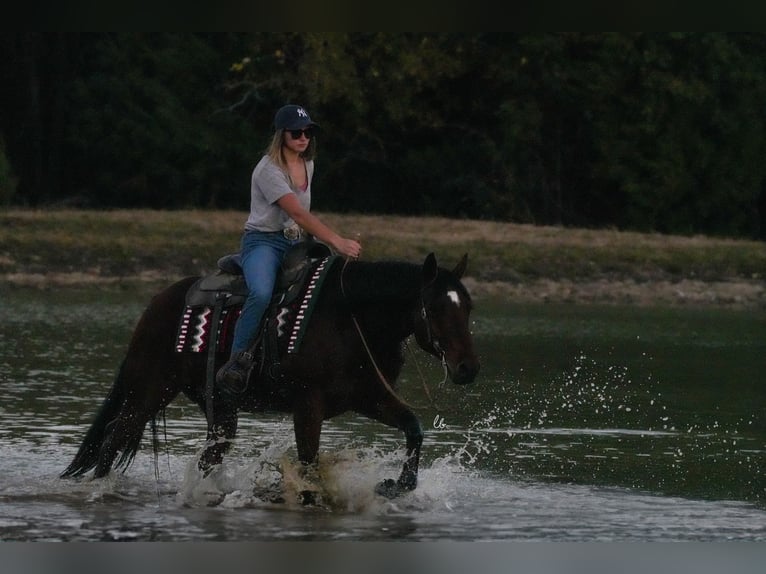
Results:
311 224
348 247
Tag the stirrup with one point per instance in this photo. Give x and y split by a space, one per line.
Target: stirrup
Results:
233 377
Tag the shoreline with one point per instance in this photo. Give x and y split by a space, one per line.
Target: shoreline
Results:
146 250
725 294
740 294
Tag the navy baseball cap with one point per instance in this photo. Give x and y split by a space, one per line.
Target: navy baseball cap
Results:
292 117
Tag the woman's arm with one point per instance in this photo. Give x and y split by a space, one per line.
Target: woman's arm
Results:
313 225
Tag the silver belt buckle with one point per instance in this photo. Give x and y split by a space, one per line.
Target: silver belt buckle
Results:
293 233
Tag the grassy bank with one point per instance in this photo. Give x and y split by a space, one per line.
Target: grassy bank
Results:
43 248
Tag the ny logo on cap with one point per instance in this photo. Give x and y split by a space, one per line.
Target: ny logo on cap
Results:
301 112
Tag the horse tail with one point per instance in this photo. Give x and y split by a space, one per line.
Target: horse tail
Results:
88 454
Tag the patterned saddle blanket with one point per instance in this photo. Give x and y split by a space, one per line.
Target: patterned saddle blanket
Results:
213 304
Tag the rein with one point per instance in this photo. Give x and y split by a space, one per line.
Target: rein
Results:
380 374
423 379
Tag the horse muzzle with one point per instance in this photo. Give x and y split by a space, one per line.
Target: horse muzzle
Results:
464 372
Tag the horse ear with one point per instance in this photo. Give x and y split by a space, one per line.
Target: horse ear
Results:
459 269
430 269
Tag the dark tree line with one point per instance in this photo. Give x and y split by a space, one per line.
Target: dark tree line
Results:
647 131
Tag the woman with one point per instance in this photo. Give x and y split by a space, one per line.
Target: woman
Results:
280 202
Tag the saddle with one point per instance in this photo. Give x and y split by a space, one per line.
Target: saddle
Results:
229 283
213 303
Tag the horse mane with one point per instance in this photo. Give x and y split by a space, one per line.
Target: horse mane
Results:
364 282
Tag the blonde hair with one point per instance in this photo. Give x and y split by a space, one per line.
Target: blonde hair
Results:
275 153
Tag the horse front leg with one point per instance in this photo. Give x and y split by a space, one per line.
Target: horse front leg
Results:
219 435
393 412
308 415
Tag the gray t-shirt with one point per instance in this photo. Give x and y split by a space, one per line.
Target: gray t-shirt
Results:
267 184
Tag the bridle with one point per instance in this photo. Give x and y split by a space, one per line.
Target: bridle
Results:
433 342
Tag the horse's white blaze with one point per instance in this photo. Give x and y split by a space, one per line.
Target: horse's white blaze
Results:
454 297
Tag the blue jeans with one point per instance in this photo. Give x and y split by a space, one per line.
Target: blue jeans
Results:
262 254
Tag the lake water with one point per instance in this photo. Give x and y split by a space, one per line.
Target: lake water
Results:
585 424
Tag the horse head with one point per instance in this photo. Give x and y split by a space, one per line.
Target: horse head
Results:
443 327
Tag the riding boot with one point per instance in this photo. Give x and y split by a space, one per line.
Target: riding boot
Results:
232 377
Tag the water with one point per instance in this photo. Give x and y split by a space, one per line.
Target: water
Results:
585 424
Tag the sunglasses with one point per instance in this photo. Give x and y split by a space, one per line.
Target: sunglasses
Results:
296 134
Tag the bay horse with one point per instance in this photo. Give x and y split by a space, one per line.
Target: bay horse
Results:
349 359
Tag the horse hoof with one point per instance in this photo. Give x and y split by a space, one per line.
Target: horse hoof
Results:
271 494
213 498
274 497
388 488
207 468
307 497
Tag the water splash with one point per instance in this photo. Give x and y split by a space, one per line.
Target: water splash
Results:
596 423
587 395
343 480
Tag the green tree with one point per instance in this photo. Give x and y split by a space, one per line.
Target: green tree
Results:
678 142
651 131
145 131
8 181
